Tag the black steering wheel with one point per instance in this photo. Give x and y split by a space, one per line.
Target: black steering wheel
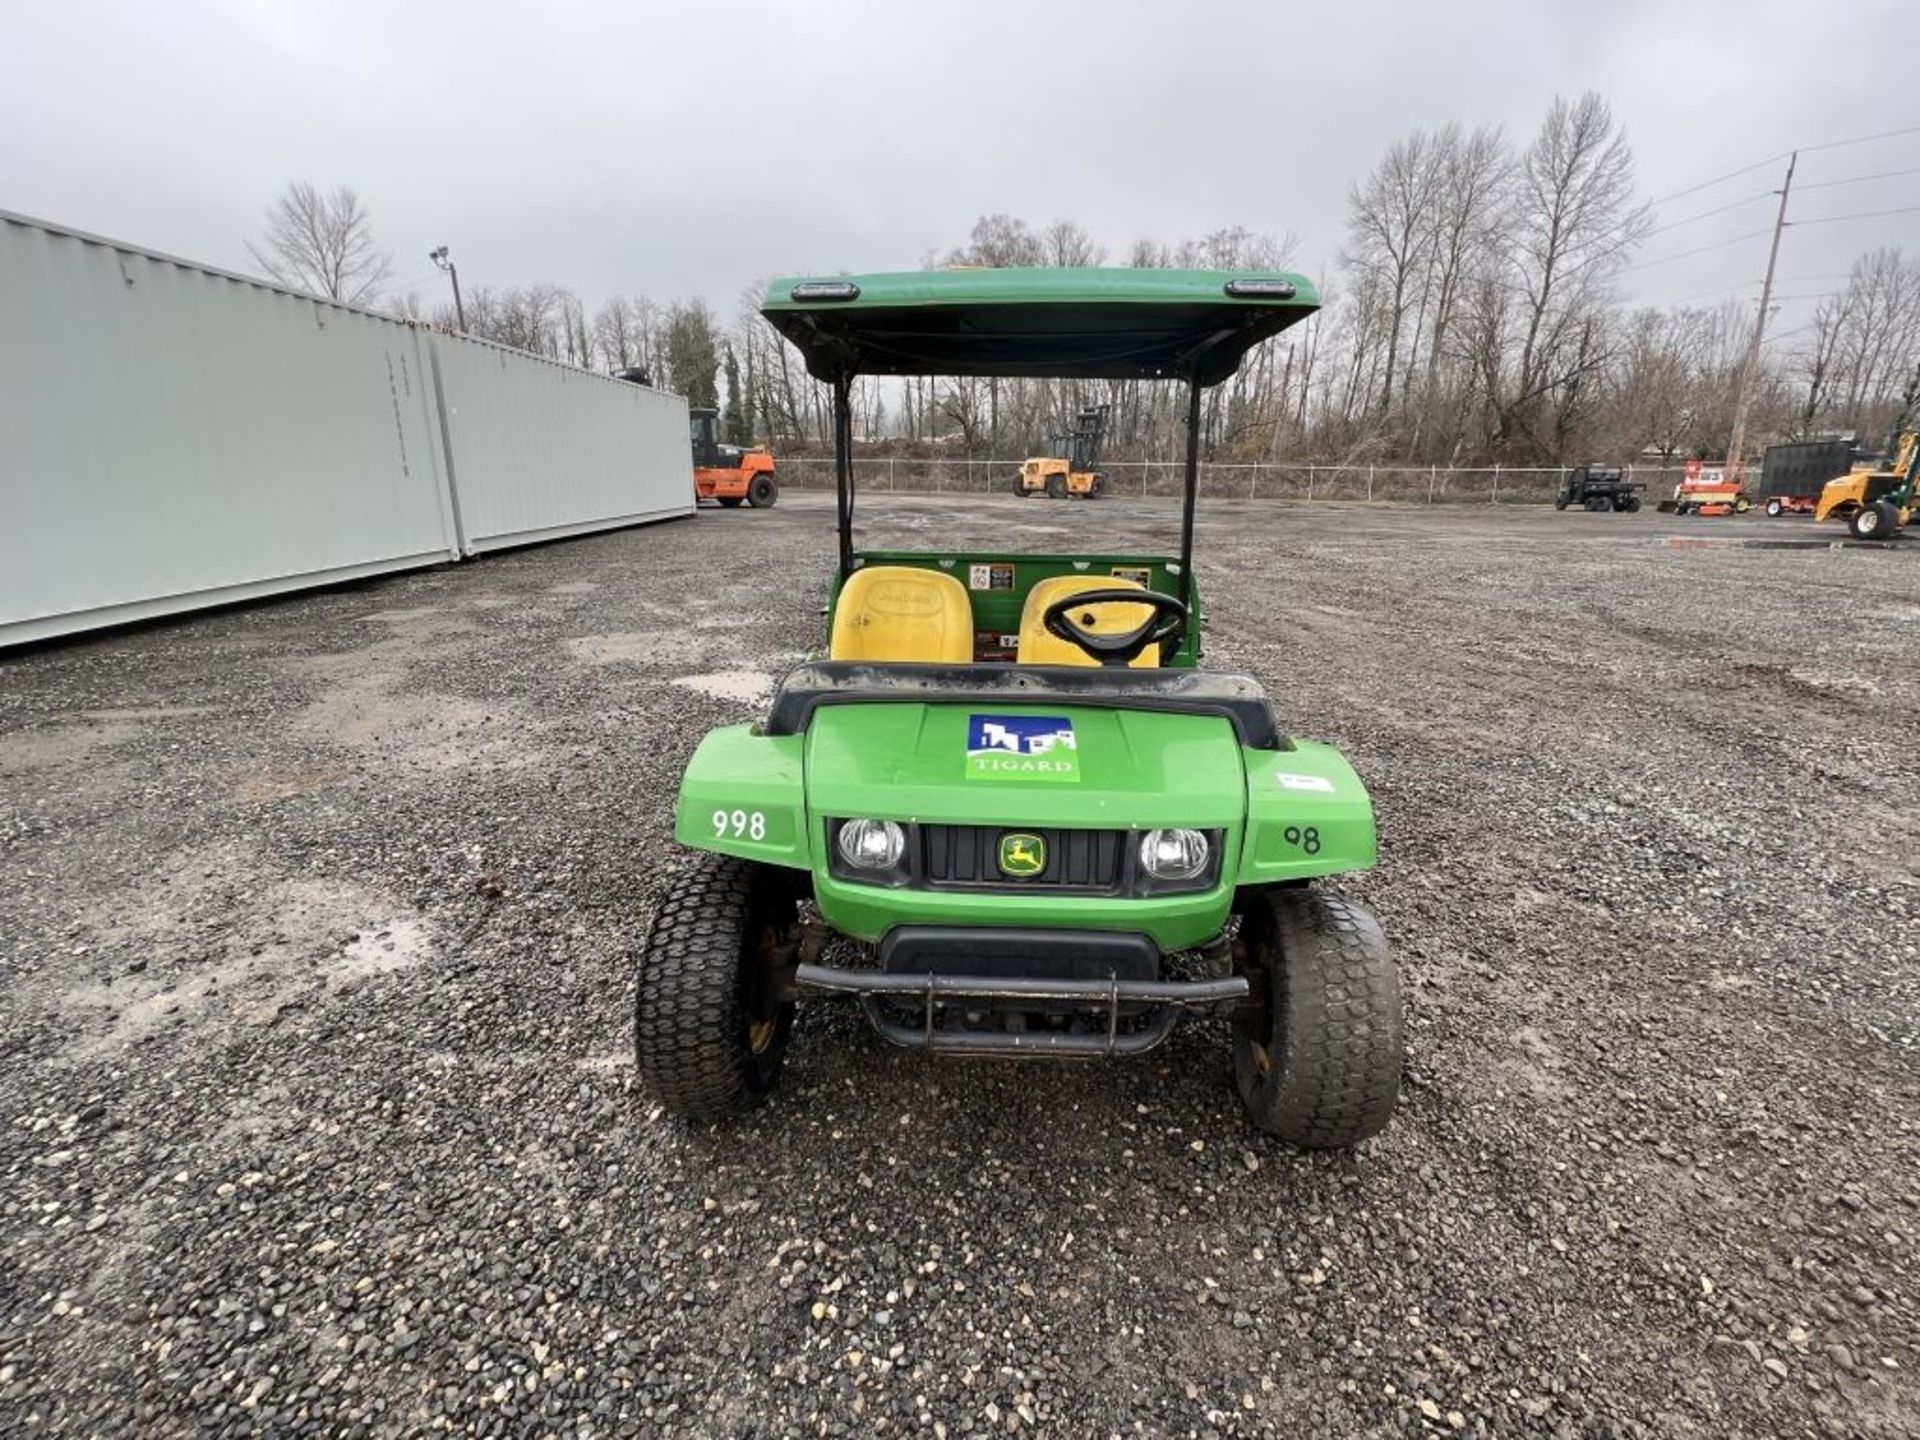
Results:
1163 627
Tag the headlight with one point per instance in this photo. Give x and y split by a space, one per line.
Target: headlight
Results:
1172 854
874 844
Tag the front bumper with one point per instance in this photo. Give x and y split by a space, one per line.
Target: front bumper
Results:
1174 922
1058 994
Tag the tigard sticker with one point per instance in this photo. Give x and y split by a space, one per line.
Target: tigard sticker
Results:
1021 747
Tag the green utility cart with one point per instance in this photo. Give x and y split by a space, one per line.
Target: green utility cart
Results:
1051 831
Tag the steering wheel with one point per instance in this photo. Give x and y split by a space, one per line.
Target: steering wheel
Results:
1163 627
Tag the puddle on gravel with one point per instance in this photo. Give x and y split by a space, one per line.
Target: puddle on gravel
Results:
574 587
397 945
45 746
267 786
77 734
745 686
214 942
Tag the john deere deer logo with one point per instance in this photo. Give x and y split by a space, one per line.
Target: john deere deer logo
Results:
1022 856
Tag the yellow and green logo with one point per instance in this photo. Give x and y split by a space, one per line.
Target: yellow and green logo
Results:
1022 855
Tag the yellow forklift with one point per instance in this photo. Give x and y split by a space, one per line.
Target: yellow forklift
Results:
1072 470
1876 500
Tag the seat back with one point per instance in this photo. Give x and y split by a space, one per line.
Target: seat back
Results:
901 613
1038 646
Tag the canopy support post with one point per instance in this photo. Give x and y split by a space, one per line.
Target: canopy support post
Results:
1192 492
843 471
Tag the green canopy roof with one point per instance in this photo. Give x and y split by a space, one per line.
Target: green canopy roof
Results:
1133 324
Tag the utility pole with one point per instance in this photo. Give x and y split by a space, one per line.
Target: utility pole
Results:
1739 440
440 257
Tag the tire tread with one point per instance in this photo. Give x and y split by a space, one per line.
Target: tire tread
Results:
688 1025
1338 1032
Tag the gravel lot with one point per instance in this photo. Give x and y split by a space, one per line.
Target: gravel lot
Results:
318 918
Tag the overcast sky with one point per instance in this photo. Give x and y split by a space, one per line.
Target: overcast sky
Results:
692 148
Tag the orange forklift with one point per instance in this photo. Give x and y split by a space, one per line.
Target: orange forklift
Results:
728 473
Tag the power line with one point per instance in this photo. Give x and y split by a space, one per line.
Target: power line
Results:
1863 139
1730 175
1704 214
1742 289
1861 179
1717 245
1774 159
1857 215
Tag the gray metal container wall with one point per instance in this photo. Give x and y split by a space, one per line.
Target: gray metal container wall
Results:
538 450
174 437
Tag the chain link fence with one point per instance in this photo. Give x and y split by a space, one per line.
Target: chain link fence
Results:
1386 484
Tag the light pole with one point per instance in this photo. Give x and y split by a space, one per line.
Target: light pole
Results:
440 257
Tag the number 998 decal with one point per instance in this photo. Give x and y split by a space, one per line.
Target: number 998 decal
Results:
740 824
1305 838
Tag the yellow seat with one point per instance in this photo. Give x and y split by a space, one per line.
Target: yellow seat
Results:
899 612
1038 646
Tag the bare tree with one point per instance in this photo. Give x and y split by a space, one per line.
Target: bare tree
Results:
323 244
1065 243
1470 189
614 335
1574 221
1390 232
1865 345
999 241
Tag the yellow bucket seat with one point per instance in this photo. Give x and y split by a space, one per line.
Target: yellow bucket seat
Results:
900 612
1038 646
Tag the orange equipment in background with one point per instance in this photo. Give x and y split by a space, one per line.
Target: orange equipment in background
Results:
1708 489
728 473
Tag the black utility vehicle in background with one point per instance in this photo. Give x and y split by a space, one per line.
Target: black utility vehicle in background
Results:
1600 487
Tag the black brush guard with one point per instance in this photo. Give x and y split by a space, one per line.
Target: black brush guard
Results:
1017 975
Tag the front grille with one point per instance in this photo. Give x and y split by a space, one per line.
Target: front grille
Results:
960 855
1078 862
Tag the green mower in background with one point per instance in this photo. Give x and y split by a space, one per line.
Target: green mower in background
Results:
1011 779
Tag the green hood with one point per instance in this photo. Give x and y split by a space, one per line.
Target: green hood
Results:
1107 769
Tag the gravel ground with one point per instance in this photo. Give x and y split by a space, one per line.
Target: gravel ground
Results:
318 922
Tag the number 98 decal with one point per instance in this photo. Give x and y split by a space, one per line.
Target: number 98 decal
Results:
740 824
1307 838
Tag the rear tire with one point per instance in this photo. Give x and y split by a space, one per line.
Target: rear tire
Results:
1322 1069
762 491
1775 509
1631 505
1056 488
708 1037
1875 521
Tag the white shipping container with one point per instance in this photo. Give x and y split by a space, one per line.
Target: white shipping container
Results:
172 436
538 450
